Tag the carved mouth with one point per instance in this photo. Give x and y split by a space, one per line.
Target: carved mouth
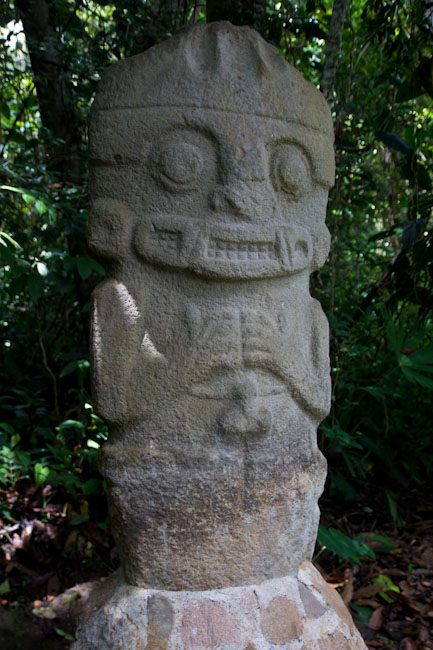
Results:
241 250
222 250
167 238
217 247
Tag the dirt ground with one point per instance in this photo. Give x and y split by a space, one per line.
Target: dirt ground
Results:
51 555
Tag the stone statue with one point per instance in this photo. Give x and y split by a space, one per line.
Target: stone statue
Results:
211 161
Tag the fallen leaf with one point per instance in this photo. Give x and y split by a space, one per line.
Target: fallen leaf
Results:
366 592
347 591
426 559
376 619
367 602
393 572
416 605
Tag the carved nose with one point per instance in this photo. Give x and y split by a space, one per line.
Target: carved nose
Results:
247 198
233 198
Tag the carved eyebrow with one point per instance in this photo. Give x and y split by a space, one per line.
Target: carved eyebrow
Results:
269 141
285 140
189 125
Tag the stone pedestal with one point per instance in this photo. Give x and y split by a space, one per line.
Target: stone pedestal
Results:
293 613
211 159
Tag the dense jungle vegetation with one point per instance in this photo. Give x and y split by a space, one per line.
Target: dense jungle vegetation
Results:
373 60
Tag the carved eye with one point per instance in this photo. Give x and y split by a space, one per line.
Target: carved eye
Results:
290 172
178 166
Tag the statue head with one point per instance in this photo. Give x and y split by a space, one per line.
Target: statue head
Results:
225 152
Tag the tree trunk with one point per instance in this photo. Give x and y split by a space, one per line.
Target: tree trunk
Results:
238 12
55 96
332 48
58 114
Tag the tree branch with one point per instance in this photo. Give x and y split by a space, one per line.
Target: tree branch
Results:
332 48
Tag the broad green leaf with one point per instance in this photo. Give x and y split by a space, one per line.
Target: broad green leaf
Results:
85 266
392 506
5 239
342 545
386 544
15 439
69 368
7 427
424 356
92 486
364 613
71 424
414 376
23 458
65 635
388 586
41 473
41 207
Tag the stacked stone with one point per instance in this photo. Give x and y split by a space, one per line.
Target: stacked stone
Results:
211 161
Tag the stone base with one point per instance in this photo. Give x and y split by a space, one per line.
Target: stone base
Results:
290 613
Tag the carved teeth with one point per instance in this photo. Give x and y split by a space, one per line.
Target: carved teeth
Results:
166 238
217 248
234 250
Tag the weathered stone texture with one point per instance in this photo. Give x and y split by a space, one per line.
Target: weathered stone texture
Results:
312 606
208 625
281 621
211 160
256 617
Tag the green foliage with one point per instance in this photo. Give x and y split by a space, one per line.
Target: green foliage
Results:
388 588
63 456
377 288
14 461
347 548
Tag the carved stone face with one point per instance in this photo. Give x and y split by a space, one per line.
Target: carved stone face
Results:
220 194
